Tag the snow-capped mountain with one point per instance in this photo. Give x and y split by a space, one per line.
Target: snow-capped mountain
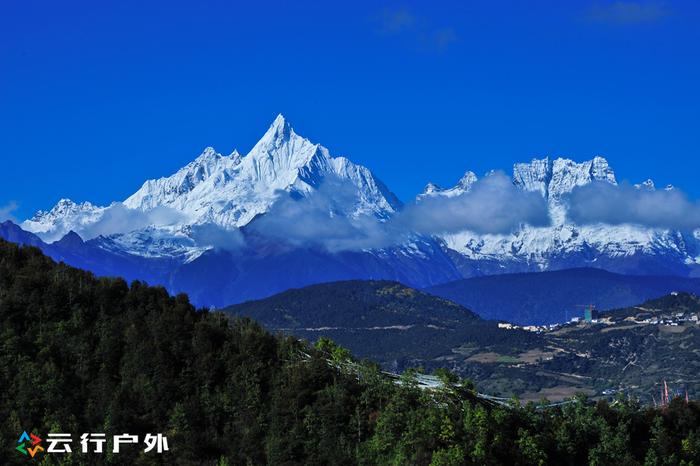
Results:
623 248
65 216
198 230
230 191
227 191
464 185
178 231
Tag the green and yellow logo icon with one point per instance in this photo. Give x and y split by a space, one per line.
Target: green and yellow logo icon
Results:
28 444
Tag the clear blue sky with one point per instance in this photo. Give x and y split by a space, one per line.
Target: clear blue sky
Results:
94 99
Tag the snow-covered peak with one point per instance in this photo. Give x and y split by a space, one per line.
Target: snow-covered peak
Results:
601 171
553 178
467 181
430 188
65 216
277 158
567 175
279 131
63 208
209 166
534 176
564 243
231 190
210 159
464 185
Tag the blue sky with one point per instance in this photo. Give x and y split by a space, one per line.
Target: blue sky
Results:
96 98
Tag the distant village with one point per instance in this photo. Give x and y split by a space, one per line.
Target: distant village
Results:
591 317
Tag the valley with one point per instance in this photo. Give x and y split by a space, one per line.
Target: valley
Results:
631 351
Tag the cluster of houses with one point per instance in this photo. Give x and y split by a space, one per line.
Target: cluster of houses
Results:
528 328
647 317
673 319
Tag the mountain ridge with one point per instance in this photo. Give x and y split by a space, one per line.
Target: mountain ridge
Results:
239 214
555 296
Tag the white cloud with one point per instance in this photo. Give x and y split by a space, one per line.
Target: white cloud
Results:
317 220
493 206
117 218
624 204
7 210
217 237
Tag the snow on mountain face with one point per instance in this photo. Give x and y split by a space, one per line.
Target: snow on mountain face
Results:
551 178
230 191
464 185
227 191
538 247
209 166
555 178
65 216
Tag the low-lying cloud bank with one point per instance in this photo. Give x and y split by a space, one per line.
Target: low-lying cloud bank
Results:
624 204
211 235
493 205
117 218
319 220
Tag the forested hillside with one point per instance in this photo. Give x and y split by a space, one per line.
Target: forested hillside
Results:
387 322
82 354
